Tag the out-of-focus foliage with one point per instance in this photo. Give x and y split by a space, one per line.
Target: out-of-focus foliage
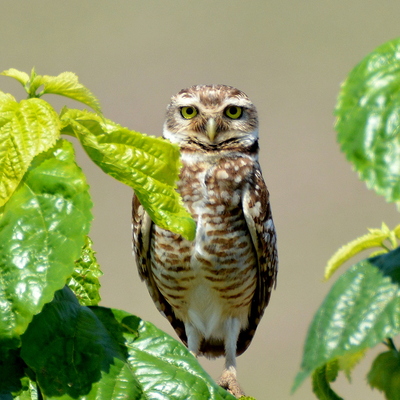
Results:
362 308
368 120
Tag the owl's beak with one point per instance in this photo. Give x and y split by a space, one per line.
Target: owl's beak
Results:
211 128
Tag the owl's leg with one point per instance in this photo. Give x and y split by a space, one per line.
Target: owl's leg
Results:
193 339
228 378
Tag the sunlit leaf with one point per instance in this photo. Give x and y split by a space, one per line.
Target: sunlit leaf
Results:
84 281
20 76
385 374
361 309
42 230
368 119
29 392
26 129
67 84
149 165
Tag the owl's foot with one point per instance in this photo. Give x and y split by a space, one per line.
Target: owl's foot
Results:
229 382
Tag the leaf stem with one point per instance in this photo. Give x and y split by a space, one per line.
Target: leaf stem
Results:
385 247
39 392
390 343
393 240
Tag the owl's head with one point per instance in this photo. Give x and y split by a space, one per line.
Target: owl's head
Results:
211 117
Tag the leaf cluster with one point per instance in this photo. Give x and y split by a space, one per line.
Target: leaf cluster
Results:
56 342
362 309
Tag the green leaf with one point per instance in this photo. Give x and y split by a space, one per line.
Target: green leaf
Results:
149 165
84 281
102 354
66 84
26 129
11 371
368 119
67 347
20 76
162 365
42 231
361 309
385 374
389 264
321 379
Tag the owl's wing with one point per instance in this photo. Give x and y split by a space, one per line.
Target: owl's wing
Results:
142 234
257 212
141 228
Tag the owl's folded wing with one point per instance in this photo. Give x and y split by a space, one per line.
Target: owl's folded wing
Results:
257 212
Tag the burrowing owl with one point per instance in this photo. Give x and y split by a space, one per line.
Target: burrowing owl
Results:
214 289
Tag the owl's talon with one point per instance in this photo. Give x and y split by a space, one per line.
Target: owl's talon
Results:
229 382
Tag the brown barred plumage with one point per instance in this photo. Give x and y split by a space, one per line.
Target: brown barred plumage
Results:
213 290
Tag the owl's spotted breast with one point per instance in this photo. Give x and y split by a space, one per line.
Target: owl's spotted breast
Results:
220 263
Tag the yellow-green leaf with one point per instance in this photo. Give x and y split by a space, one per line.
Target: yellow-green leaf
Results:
378 253
348 361
374 238
26 129
20 76
67 84
149 165
397 231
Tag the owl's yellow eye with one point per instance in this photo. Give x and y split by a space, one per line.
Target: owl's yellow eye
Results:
188 112
233 112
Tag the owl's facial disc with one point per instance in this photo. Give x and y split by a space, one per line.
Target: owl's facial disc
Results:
210 116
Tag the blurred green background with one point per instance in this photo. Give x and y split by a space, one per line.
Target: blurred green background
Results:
290 58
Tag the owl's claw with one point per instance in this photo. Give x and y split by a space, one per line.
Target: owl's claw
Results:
229 382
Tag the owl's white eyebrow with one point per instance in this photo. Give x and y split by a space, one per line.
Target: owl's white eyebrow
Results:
239 102
196 103
190 101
